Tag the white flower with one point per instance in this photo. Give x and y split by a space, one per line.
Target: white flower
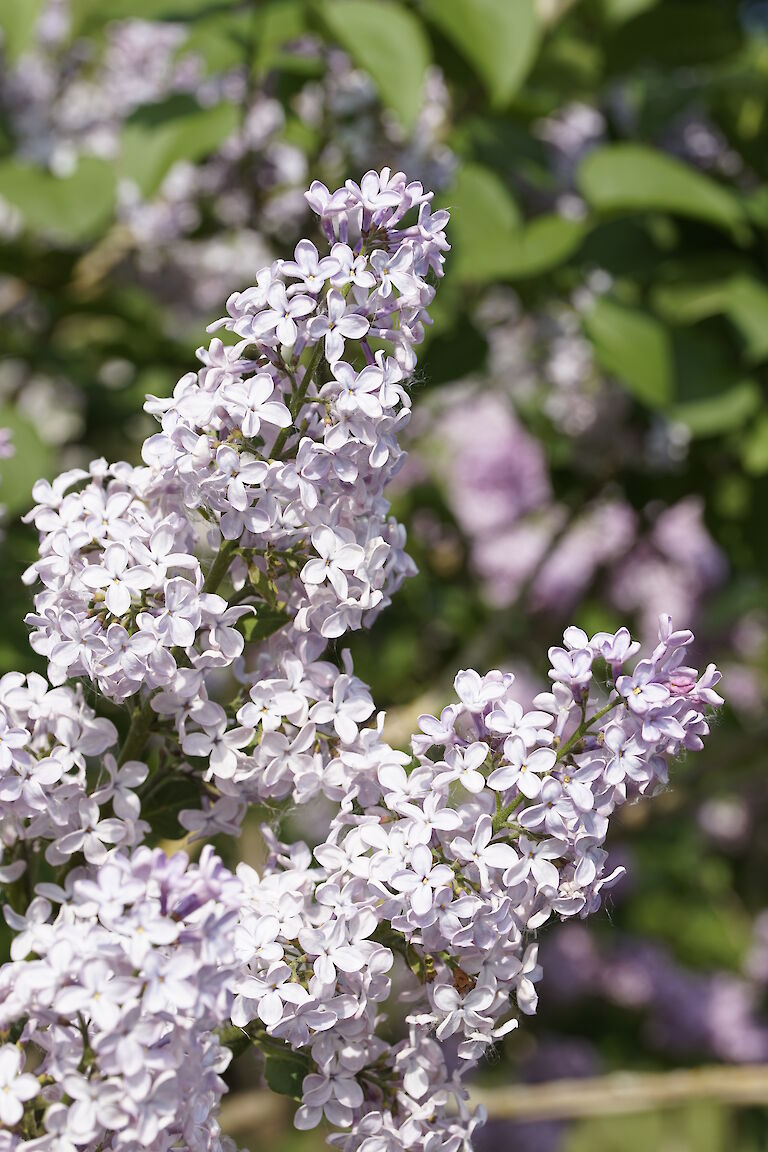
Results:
421 880
280 316
337 326
336 555
482 853
120 580
16 1087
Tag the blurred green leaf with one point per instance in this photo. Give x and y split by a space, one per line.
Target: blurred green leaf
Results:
698 1127
712 934
746 305
389 43
724 412
617 11
498 38
490 239
483 216
17 25
68 209
754 449
541 245
635 347
160 135
742 298
675 34
278 23
713 396
89 16
32 460
635 178
223 40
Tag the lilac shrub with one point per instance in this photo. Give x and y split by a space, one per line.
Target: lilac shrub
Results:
200 591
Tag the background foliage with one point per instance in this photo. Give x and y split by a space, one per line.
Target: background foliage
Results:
590 433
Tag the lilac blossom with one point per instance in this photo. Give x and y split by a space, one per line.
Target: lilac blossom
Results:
255 531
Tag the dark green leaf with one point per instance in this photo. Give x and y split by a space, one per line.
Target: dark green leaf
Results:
618 11
388 42
498 38
635 347
635 178
285 1073
89 16
266 621
713 397
162 807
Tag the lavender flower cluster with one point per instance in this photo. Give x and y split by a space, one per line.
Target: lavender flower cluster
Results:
200 590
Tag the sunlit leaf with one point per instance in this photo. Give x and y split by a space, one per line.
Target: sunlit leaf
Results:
635 347
160 135
635 178
67 209
17 25
388 42
498 38
32 459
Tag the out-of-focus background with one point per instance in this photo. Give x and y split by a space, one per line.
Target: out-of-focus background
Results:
589 441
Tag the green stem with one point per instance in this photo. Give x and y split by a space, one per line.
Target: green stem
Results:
582 729
503 814
220 566
298 399
134 742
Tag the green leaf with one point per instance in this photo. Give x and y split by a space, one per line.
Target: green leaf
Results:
17 25
713 396
754 449
162 808
635 347
386 41
160 135
89 16
68 209
32 460
742 298
544 243
746 305
618 11
483 215
499 39
635 178
223 40
285 1073
278 23
714 415
266 621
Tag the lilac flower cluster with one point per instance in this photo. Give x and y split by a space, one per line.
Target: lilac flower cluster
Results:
200 590
121 989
